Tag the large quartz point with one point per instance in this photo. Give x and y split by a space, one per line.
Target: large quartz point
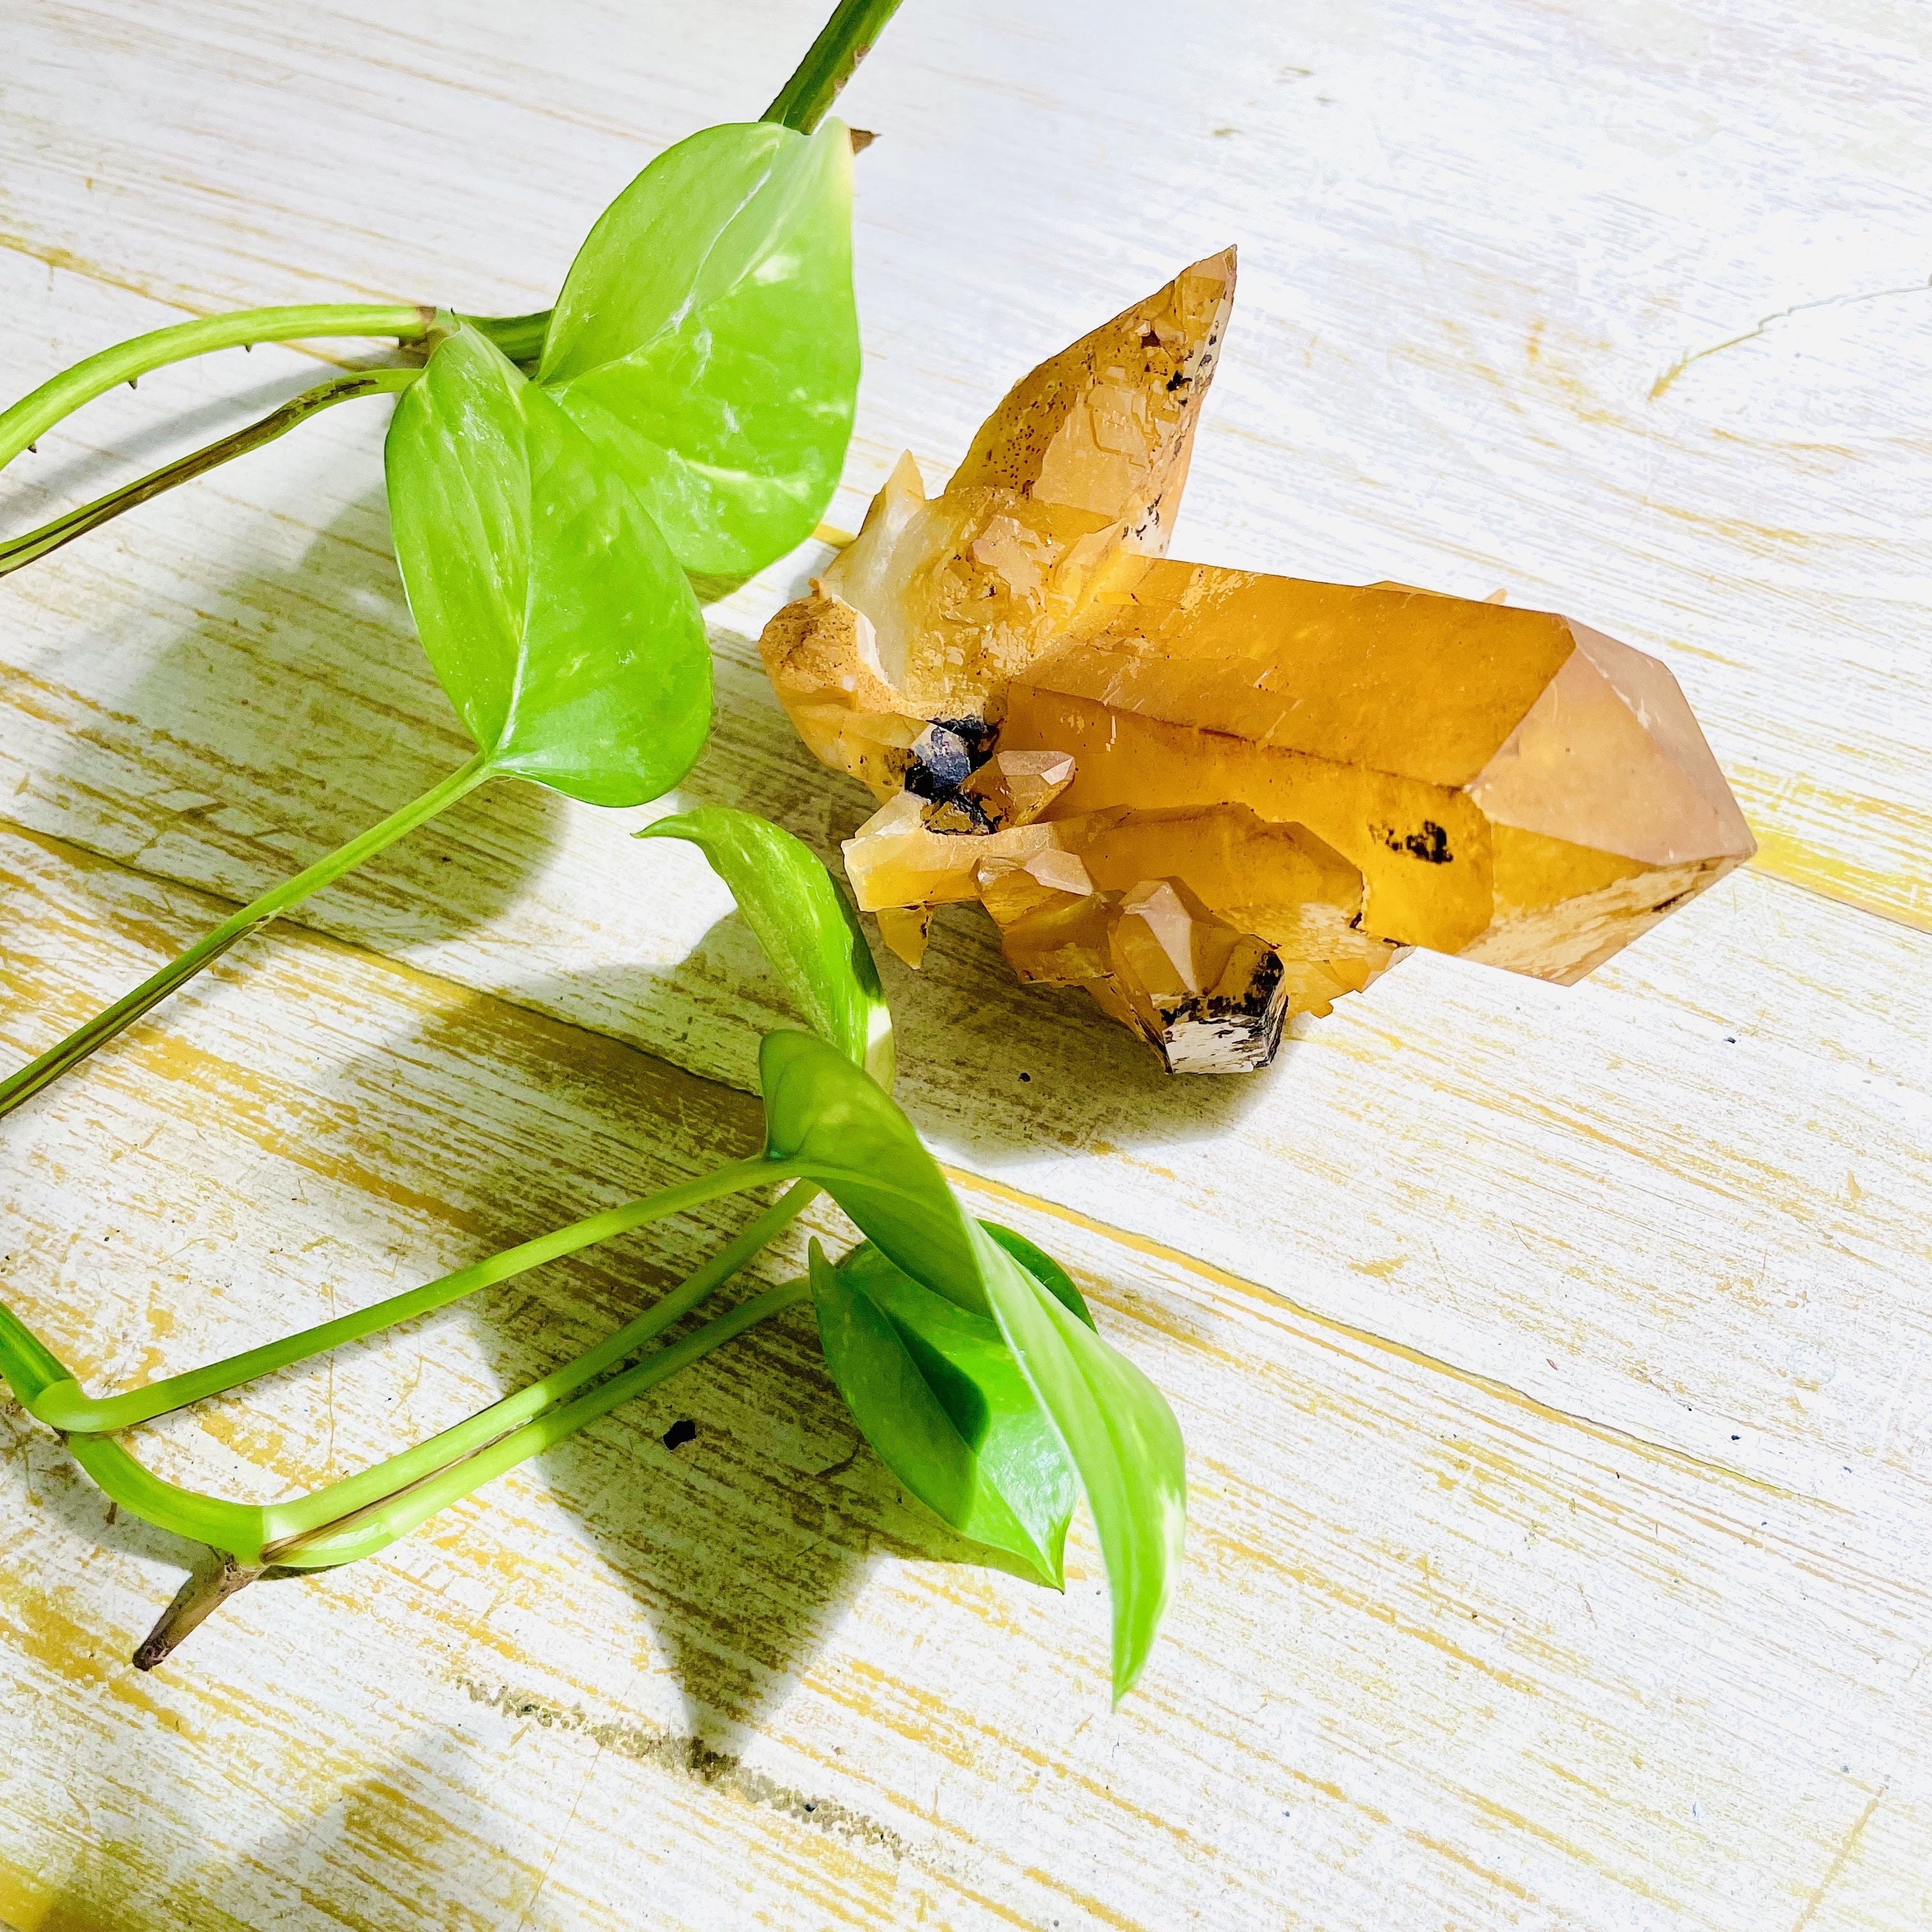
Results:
937 602
1510 785
1213 798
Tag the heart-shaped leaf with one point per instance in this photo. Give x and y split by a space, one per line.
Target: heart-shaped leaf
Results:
558 620
938 1394
707 339
824 1117
811 935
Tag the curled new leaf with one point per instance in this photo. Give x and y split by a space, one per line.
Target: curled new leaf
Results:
557 619
938 1395
823 1118
1123 1440
810 935
707 338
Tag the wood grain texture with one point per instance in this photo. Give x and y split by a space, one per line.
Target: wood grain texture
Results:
1443 1656
1597 1195
1629 313
1553 1364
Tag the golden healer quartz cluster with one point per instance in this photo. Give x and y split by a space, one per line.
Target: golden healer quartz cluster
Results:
1214 798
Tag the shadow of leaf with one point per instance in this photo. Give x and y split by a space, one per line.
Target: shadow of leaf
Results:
228 742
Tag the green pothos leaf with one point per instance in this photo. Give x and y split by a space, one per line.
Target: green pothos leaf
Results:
1043 1268
821 1112
810 935
1123 1440
823 1116
707 340
938 1395
557 618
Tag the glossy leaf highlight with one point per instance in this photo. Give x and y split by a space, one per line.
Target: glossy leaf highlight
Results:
557 619
824 1119
1043 1268
707 338
1122 1439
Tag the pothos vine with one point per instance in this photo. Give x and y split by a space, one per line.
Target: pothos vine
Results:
565 490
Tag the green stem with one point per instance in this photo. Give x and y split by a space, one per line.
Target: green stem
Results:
520 337
249 1532
803 101
846 39
375 1527
61 1404
430 1458
22 425
31 1367
21 550
29 1080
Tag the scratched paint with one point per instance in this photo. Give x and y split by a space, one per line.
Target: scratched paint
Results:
1550 1363
1438 1641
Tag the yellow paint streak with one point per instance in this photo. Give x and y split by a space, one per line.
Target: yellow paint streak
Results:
1839 1863
28 1906
1328 1788
999 1911
1469 1864
1381 1271
343 964
1386 1615
1518 1822
249 1103
1782 854
933 1718
36 1628
1088 1903
66 262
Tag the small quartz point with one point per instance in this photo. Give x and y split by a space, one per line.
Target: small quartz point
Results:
1217 799
905 928
1253 922
1010 788
894 859
1016 787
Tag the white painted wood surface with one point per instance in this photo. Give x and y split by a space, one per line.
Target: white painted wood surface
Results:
1554 1365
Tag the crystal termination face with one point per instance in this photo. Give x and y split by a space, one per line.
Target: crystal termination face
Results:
1216 798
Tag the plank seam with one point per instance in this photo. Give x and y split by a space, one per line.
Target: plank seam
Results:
1768 867
61 261
1273 1298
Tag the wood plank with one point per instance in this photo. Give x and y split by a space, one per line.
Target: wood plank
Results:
1614 358
1596 1196
1551 1363
1442 1656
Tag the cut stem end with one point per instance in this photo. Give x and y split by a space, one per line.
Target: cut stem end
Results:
213 1579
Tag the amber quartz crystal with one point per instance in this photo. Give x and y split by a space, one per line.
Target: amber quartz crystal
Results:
1215 798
